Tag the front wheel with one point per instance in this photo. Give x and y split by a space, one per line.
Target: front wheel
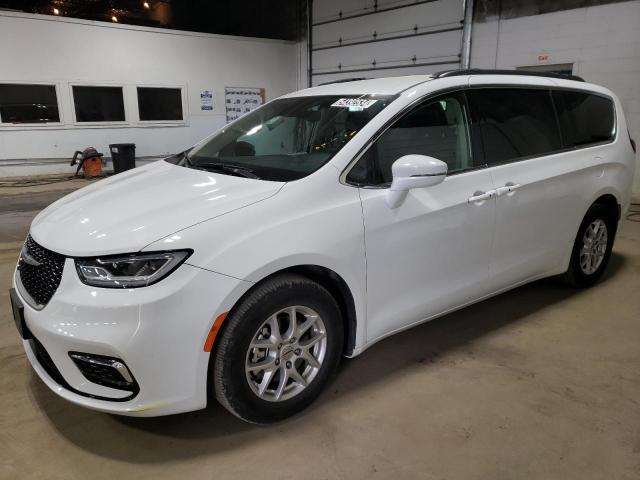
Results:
278 349
592 247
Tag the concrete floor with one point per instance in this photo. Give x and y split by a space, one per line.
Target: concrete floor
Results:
541 382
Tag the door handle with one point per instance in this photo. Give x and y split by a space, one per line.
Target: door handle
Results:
480 196
508 188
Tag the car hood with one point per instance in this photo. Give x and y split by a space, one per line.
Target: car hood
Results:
133 209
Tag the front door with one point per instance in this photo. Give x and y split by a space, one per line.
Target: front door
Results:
431 253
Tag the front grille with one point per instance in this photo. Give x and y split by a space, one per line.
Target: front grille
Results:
40 271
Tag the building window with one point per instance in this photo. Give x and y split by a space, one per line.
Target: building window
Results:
160 104
98 104
21 103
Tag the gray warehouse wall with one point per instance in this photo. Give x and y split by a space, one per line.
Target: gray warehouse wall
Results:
602 43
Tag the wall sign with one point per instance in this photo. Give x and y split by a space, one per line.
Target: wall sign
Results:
544 58
206 100
241 100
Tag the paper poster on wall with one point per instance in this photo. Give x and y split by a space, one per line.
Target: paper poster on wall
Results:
241 100
206 100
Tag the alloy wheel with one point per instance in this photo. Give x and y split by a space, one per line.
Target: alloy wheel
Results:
286 353
594 246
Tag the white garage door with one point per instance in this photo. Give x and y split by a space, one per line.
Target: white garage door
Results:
369 38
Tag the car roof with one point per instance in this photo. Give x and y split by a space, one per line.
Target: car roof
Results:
378 86
397 85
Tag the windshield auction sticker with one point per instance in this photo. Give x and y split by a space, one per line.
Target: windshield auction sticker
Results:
354 103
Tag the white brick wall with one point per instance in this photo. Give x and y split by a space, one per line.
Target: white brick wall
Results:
602 42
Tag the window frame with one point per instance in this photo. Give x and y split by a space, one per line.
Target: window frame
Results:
550 90
36 126
107 124
416 104
477 147
183 98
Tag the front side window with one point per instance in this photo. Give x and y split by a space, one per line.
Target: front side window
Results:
287 139
438 128
514 122
98 104
159 104
23 103
584 118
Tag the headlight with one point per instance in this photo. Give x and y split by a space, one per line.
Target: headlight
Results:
129 271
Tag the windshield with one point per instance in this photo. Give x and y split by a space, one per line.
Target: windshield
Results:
286 139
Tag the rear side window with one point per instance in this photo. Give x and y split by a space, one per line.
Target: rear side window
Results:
514 123
584 118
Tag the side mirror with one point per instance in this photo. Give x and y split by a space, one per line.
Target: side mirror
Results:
414 171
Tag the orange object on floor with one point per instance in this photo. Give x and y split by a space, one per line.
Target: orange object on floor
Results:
92 167
89 160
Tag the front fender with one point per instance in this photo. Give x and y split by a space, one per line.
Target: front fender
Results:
312 221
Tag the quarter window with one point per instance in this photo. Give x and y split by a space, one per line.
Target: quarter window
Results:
437 128
159 104
98 104
514 123
584 118
20 103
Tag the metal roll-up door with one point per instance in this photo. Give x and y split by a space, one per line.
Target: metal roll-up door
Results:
378 38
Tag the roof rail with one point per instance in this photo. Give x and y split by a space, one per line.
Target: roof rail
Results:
480 71
343 80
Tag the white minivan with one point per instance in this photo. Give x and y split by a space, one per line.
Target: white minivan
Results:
312 227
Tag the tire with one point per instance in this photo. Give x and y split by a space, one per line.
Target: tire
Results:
581 274
254 322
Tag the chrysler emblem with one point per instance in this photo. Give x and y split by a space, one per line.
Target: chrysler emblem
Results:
27 258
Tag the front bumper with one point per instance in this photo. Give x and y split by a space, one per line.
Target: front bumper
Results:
159 332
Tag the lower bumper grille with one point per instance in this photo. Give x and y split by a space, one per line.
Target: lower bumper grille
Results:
49 366
106 371
47 363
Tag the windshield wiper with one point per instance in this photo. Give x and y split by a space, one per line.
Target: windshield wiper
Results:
220 167
185 157
225 168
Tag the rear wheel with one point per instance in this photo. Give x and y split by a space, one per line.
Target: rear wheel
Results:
592 247
278 349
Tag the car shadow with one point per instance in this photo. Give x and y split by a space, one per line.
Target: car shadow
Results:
214 431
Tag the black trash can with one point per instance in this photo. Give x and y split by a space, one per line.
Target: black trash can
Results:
123 156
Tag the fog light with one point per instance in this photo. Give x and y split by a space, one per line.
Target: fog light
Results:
106 371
